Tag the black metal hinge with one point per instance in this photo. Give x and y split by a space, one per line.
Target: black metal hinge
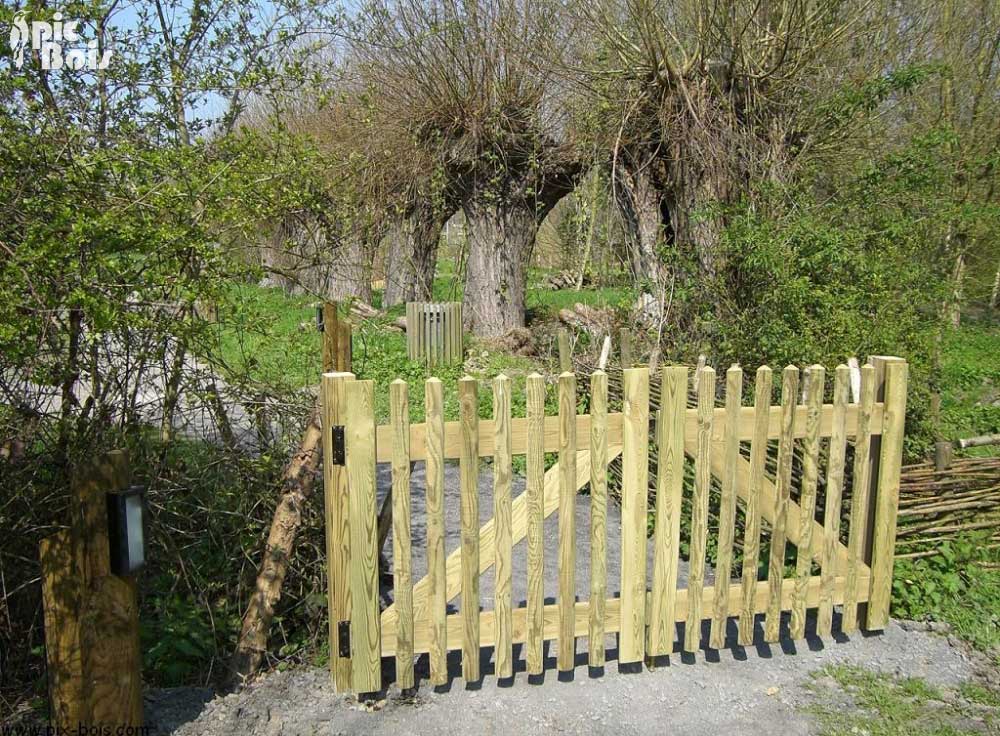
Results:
344 638
337 432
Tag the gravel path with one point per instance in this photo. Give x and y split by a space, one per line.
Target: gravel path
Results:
757 690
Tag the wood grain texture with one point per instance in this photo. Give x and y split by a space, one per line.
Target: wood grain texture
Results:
366 662
567 521
519 431
598 516
468 406
814 383
612 621
565 353
887 500
536 544
437 599
331 330
699 507
402 586
337 522
112 657
860 488
834 493
751 531
63 589
727 508
502 474
669 497
783 488
635 487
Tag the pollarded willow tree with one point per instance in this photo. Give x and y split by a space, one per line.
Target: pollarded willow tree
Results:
711 99
475 86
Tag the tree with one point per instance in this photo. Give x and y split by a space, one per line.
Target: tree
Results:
471 82
710 100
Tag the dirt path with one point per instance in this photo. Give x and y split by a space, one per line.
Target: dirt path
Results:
758 690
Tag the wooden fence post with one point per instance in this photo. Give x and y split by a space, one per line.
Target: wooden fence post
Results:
329 332
884 496
565 353
359 433
91 617
337 513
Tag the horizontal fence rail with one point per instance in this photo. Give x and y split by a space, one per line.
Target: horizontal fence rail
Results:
708 457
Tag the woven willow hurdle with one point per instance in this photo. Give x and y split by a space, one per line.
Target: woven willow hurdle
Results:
434 332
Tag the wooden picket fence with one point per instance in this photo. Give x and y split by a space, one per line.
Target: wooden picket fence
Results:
651 603
434 332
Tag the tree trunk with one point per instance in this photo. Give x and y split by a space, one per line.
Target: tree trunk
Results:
641 202
350 270
296 488
411 257
697 189
500 241
995 296
957 284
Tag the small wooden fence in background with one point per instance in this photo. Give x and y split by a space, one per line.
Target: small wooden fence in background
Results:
434 332
645 615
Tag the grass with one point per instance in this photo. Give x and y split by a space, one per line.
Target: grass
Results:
883 706
970 381
960 585
270 338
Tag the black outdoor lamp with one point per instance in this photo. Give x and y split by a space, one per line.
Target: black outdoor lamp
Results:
319 317
126 533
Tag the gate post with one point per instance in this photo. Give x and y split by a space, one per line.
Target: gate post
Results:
336 509
884 497
365 627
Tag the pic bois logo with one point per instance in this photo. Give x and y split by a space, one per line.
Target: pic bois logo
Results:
58 44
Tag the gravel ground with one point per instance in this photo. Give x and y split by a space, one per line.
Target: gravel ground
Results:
757 690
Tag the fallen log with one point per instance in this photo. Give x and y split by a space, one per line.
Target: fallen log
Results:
297 484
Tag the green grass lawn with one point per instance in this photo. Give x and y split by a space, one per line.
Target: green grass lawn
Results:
270 337
852 700
970 382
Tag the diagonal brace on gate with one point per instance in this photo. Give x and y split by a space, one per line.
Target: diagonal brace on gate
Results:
487 535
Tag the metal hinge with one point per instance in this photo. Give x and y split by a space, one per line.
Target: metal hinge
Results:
337 433
344 638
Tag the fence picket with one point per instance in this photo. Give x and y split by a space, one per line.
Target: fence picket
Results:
502 515
598 515
727 508
669 493
699 508
861 482
535 480
776 560
567 521
635 472
437 595
751 532
814 384
468 402
399 412
887 499
834 490
366 661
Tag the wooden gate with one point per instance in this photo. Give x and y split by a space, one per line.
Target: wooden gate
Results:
434 332
784 468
